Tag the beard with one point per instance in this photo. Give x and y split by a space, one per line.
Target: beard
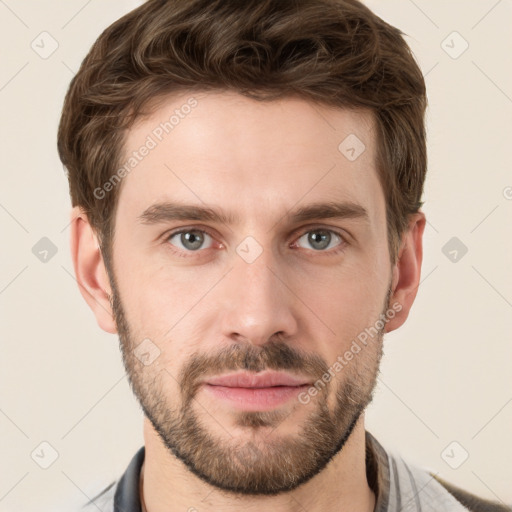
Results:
248 465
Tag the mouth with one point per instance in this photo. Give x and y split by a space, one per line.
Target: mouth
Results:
256 391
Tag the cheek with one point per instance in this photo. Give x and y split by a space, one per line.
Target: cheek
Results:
346 301
155 296
162 304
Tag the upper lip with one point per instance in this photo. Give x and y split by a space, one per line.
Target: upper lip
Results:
256 380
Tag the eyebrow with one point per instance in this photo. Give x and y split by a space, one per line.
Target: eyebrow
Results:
168 211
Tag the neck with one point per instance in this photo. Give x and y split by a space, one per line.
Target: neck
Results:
168 485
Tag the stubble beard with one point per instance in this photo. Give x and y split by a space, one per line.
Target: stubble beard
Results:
267 464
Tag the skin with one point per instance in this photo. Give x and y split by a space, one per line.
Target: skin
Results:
259 160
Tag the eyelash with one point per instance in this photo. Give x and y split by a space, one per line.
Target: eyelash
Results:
332 252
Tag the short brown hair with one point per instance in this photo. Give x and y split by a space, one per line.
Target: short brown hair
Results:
334 52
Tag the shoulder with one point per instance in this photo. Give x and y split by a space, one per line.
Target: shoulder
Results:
419 488
122 493
103 501
470 501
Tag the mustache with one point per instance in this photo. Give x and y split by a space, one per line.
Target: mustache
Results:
274 355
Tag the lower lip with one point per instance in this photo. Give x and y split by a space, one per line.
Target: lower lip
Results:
256 399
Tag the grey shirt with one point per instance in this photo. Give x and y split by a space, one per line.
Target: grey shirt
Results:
398 486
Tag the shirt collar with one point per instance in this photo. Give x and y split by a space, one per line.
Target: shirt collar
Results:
377 472
127 497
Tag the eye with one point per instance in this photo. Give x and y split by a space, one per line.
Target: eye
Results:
189 239
322 239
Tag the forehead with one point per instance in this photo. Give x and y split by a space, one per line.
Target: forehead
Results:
248 156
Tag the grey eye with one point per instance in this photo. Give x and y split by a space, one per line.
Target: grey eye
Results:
320 239
190 239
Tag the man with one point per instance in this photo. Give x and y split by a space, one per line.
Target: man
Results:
246 180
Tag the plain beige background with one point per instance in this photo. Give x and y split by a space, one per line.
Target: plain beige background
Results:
445 389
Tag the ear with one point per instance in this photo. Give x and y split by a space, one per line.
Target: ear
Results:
407 271
90 271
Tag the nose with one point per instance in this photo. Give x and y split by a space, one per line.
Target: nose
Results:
256 302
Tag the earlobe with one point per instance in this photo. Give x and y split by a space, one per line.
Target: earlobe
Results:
90 270
407 271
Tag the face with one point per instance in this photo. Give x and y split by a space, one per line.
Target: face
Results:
249 244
